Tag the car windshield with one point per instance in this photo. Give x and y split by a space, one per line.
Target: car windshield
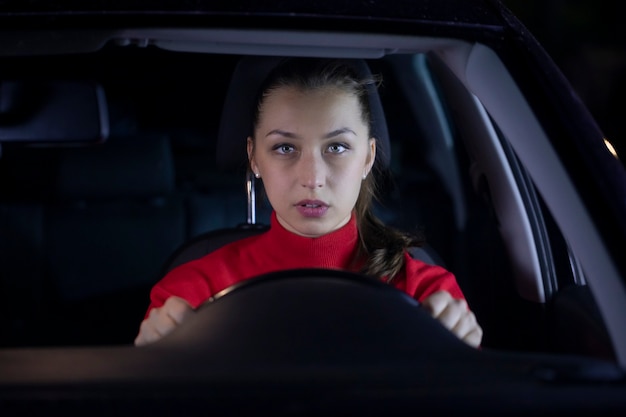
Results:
124 155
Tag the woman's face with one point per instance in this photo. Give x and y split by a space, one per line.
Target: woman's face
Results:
312 151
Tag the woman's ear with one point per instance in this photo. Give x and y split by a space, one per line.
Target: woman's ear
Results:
250 149
369 162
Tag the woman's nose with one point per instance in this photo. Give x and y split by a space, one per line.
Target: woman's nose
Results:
311 171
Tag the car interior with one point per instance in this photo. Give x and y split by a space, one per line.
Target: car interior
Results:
91 217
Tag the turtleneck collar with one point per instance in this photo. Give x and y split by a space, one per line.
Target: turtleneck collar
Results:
336 249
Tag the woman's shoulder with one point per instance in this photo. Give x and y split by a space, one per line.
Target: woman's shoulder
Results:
420 264
210 273
421 278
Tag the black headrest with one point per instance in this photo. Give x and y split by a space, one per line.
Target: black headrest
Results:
236 121
140 167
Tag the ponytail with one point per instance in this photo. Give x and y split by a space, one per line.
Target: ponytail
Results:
383 246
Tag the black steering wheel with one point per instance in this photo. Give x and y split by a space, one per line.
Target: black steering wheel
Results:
313 315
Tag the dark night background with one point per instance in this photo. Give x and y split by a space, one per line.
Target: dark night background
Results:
587 40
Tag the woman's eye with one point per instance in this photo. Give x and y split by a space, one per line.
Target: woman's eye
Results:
337 148
284 149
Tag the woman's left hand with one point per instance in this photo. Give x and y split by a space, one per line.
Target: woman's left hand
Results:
455 316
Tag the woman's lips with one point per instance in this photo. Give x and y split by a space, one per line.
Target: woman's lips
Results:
312 208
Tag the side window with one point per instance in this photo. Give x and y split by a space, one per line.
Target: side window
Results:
506 290
574 323
522 272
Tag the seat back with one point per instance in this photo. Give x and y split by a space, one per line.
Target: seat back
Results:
115 216
87 238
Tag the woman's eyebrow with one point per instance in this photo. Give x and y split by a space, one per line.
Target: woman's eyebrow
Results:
282 133
339 132
329 135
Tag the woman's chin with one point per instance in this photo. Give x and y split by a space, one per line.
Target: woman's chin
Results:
309 227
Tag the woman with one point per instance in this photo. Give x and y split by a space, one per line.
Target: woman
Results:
313 150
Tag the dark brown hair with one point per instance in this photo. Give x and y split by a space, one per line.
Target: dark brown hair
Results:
383 246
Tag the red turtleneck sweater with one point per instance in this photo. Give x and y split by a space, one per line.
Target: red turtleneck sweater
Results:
279 249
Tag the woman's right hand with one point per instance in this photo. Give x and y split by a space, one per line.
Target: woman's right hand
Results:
162 320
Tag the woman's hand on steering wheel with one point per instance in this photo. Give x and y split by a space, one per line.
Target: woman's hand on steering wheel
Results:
163 320
455 316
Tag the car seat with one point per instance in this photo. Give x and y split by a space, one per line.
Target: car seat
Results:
114 217
87 232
